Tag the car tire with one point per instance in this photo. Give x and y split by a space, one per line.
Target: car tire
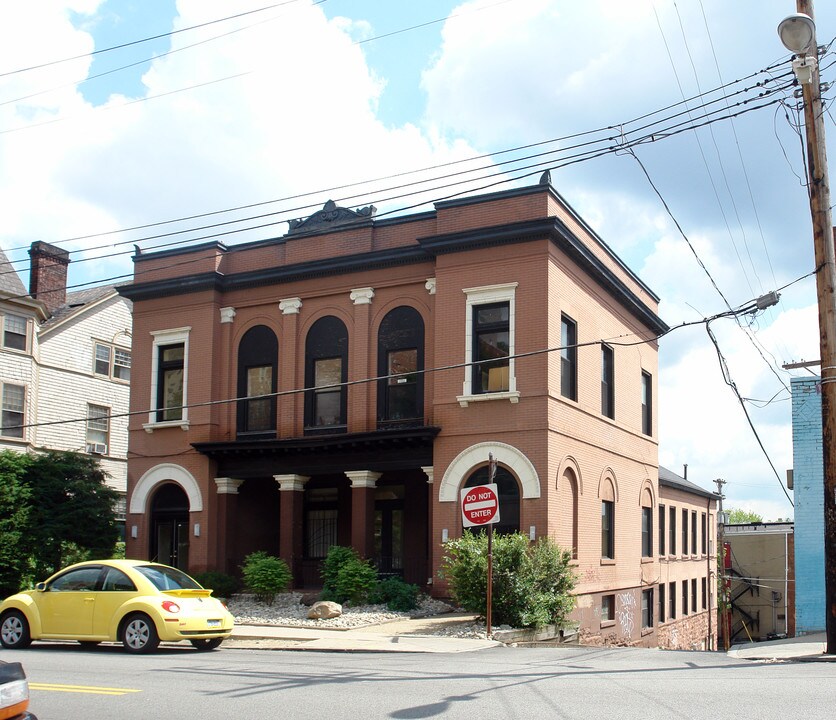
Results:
138 634
14 630
206 644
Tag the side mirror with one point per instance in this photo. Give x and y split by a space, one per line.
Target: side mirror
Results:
40 586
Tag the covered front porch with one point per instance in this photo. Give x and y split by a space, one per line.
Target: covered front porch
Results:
296 498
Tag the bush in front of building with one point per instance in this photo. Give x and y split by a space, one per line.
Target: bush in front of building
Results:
532 582
395 594
265 575
346 577
221 584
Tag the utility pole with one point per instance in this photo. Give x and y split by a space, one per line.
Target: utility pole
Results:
825 253
722 579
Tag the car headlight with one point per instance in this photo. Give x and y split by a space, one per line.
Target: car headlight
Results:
171 606
14 693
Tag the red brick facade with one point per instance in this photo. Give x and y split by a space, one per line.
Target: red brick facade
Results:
330 294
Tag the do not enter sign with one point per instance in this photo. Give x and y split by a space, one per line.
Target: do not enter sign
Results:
480 505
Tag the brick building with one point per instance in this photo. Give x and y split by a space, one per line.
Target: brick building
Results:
808 494
342 383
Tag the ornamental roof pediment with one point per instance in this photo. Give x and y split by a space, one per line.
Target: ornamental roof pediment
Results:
330 217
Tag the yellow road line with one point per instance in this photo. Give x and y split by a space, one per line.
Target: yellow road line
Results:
92 690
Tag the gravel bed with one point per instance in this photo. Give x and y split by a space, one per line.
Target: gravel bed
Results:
287 610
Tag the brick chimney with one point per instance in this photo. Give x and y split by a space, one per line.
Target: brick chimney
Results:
48 274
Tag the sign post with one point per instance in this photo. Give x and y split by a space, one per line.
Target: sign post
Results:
480 507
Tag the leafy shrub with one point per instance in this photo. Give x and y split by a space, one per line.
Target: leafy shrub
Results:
119 550
221 584
531 583
265 575
347 578
395 594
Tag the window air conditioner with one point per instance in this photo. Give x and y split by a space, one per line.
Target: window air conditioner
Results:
97 448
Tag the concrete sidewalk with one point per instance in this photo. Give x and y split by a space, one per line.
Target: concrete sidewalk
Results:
408 635
804 648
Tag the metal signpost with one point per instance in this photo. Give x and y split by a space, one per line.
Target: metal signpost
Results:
480 507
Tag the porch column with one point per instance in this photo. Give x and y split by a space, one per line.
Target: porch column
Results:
227 490
227 388
292 488
291 371
363 483
359 363
431 539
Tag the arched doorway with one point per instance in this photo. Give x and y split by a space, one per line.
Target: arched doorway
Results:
509 497
170 526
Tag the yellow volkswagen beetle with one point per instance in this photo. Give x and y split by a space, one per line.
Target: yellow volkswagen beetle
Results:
134 602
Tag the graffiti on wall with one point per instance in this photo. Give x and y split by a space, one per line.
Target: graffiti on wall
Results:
626 612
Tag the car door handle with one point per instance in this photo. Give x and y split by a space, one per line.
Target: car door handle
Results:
90 599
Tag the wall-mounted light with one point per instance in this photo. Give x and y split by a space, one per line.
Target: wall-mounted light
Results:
134 531
197 529
444 535
532 533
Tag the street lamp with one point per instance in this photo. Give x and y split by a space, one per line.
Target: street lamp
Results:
798 33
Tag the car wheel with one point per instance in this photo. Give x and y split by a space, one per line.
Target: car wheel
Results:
14 630
139 634
204 644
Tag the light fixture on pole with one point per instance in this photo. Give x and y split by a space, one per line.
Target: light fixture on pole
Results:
798 33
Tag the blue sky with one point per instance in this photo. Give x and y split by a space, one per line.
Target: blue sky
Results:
302 99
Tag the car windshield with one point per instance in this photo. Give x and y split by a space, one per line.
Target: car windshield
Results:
167 578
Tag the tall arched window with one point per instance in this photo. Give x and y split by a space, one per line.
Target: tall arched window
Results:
400 356
257 376
509 496
568 503
326 366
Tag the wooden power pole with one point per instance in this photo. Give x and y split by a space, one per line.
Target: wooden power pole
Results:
823 241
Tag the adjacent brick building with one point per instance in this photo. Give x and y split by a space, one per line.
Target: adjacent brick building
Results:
342 383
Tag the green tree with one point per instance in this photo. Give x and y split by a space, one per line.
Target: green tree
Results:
532 583
14 522
71 513
738 516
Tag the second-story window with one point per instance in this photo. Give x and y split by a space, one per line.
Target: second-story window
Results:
170 382
607 382
257 381
14 332
13 406
400 343
662 529
98 427
491 335
608 529
647 404
326 371
647 532
568 358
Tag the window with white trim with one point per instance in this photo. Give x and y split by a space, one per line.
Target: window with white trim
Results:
112 361
490 321
169 378
15 332
14 401
98 429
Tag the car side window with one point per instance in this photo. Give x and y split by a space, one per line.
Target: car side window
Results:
116 581
80 580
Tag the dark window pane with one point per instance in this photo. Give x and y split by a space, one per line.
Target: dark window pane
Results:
607 529
568 359
491 345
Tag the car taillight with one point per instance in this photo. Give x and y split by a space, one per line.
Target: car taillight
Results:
171 606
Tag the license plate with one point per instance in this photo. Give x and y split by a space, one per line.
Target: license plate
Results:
213 623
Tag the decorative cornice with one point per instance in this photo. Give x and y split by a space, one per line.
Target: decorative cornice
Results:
429 472
290 306
430 285
227 315
291 483
330 216
363 478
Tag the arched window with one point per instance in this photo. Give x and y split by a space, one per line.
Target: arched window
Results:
400 356
326 367
568 502
509 497
257 375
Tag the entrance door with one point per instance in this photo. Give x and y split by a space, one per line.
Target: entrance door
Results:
388 529
170 527
172 542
